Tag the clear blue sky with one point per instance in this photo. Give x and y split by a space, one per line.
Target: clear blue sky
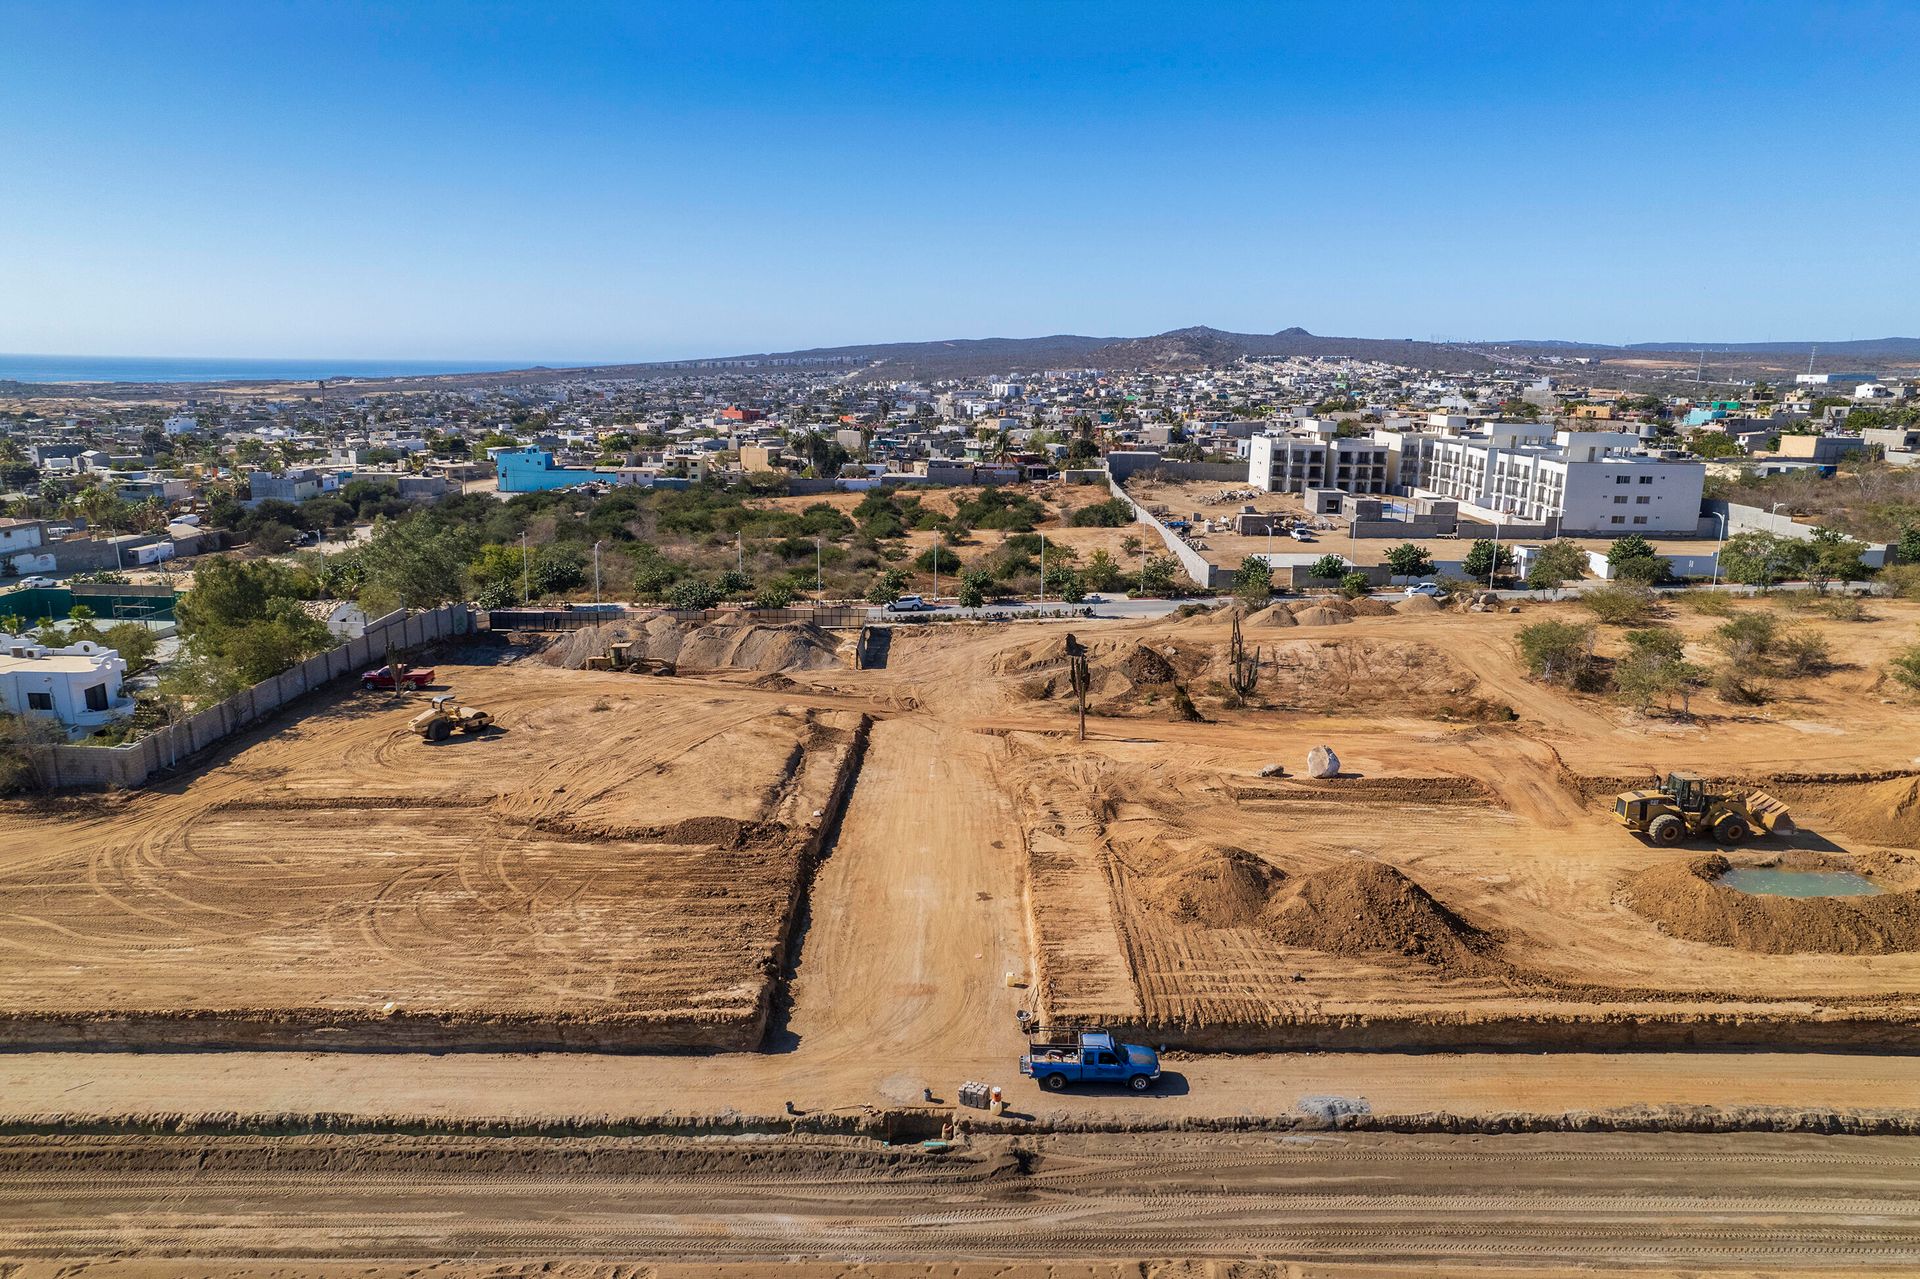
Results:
571 181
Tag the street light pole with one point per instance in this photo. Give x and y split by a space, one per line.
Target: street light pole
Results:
596 573
818 589
526 573
1720 547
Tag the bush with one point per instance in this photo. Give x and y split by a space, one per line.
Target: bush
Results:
1558 561
887 585
1102 573
973 588
1709 603
937 556
1409 560
1620 603
774 594
1747 639
1063 582
1254 580
695 592
1354 585
1905 667
1737 689
134 642
1158 574
1328 568
1112 513
1802 652
1557 652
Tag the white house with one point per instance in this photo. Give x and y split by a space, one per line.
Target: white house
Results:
78 685
182 423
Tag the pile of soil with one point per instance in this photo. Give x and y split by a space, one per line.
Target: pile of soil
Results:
1417 604
1331 603
1369 908
737 644
1321 617
1686 900
1215 888
1885 812
1144 666
1272 615
1371 608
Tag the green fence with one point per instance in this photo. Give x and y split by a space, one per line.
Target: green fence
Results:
110 602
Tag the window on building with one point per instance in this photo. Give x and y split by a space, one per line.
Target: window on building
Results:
1646 479
1639 519
1623 479
1642 500
97 697
39 701
1621 500
1619 519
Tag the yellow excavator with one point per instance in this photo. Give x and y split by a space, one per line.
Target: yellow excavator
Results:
1683 807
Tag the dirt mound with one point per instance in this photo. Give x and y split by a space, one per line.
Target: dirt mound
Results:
1369 908
1417 604
1320 616
737 644
1885 812
1328 602
1216 888
1272 615
1144 666
1371 608
1686 899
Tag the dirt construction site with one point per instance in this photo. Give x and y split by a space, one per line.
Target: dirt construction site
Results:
728 940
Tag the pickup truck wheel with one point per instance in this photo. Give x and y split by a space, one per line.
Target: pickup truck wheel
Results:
1139 1083
1056 1082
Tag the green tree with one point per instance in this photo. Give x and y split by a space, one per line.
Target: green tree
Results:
1756 559
1409 559
1254 580
1065 583
1712 444
1355 584
887 586
1157 575
1486 557
774 594
1655 666
1834 557
973 588
1558 561
1328 568
695 593
1102 572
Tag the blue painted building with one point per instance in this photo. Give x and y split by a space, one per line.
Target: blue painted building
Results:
533 471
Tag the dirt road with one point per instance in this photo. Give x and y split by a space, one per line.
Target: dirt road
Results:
1646 1201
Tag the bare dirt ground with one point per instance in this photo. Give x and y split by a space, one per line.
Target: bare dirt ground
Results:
1460 873
1653 1203
600 860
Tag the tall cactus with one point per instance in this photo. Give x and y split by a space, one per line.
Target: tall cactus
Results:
1243 671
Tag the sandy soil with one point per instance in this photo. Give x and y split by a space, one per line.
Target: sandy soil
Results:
591 860
1656 1204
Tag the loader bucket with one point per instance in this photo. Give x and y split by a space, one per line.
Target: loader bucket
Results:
1769 814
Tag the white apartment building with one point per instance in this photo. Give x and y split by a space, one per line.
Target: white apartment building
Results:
78 685
1583 483
1313 456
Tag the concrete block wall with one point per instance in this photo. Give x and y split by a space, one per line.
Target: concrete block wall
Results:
1194 563
132 764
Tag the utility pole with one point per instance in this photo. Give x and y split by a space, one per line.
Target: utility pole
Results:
596 573
1043 568
526 573
818 589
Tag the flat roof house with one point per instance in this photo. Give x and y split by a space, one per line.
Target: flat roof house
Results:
79 685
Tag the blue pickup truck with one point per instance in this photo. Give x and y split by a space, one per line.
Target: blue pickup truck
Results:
1090 1058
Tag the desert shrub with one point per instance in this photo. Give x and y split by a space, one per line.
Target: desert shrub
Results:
1905 667
1655 666
1558 652
1901 580
1802 652
1620 603
695 592
1065 583
887 585
937 556
1112 513
1354 585
777 593
1157 575
1708 603
1747 639
1736 688
973 588
1254 581
1102 573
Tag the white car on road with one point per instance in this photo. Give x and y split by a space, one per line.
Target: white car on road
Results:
909 604
31 582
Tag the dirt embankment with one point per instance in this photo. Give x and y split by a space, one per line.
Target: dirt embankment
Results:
743 645
1687 899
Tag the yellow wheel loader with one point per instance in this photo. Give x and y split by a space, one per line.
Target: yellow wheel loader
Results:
1684 808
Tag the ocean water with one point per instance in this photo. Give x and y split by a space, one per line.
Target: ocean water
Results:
149 368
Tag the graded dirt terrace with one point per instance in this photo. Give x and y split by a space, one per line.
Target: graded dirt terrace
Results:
618 867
